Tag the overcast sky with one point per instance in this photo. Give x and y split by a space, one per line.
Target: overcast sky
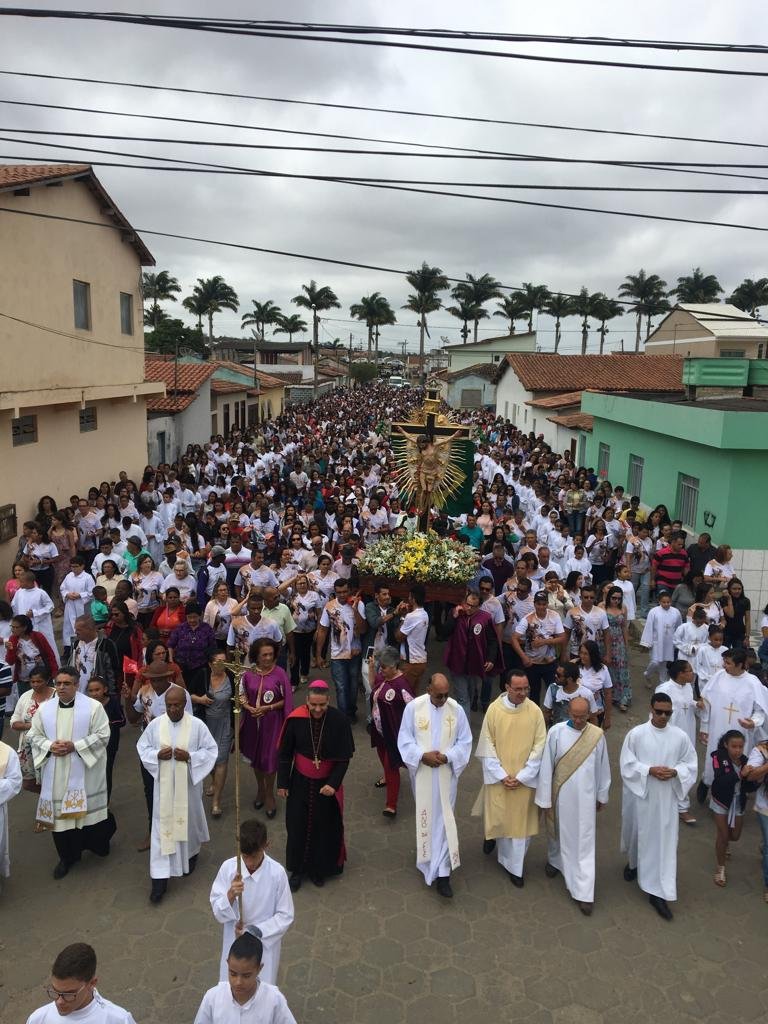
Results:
562 249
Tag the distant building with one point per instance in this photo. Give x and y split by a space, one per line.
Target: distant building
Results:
536 391
73 394
268 353
709 330
474 387
488 350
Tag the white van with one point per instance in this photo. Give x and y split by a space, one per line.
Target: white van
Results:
397 382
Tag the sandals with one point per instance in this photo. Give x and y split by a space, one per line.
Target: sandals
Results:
380 783
208 790
215 812
719 878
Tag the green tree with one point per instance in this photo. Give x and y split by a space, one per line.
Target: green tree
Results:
426 282
195 304
385 317
476 291
558 307
363 372
697 287
155 317
533 297
291 325
211 295
511 308
466 311
172 336
584 305
263 315
646 291
374 311
750 295
603 310
157 288
318 299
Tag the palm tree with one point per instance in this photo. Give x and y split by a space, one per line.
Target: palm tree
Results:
426 283
646 290
655 307
476 291
375 311
211 295
195 304
159 287
511 308
558 307
603 310
291 325
533 297
750 295
466 311
584 305
318 300
697 287
264 314
385 317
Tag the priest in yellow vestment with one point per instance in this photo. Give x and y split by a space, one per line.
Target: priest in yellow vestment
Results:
510 747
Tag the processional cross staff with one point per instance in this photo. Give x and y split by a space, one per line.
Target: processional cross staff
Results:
238 670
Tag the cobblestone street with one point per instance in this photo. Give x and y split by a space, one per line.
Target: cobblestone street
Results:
377 947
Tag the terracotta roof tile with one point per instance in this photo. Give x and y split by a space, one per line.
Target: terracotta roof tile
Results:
578 420
557 401
171 403
545 371
487 370
286 378
228 387
19 175
191 376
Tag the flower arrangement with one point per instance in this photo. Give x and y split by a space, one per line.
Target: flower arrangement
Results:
422 558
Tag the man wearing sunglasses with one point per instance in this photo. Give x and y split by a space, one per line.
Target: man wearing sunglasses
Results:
658 768
73 992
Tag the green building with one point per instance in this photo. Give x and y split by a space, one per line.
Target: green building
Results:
705 457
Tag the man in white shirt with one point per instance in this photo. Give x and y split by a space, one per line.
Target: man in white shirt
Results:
74 994
412 636
344 617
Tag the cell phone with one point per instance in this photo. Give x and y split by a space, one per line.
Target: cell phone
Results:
369 653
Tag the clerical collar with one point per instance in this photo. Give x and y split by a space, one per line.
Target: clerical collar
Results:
68 704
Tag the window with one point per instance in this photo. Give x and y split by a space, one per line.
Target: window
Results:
687 499
731 353
88 420
635 475
126 313
24 430
760 348
471 398
603 459
81 292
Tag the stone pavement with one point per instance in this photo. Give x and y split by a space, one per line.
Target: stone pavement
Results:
377 947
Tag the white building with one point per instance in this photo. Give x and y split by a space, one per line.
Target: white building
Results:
709 330
488 350
474 387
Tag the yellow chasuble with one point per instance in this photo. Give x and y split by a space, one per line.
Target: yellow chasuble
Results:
511 736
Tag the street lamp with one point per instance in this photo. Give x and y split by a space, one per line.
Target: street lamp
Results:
314 352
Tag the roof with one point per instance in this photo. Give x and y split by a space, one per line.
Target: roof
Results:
548 371
486 370
557 401
574 421
18 176
228 387
724 320
496 337
286 378
181 390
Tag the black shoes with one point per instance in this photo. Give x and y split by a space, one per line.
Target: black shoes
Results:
61 869
294 882
159 889
630 874
550 870
489 845
517 880
317 880
192 865
701 792
444 887
661 907
586 908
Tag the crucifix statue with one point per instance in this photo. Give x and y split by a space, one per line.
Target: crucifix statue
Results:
428 463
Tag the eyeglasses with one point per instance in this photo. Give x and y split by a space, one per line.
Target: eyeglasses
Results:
665 713
65 997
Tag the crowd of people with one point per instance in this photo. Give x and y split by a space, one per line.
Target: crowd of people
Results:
231 577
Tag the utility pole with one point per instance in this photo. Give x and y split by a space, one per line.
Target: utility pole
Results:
349 361
314 353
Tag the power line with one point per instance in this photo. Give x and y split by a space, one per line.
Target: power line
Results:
355 107
232 29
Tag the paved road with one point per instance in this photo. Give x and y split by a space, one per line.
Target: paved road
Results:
377 947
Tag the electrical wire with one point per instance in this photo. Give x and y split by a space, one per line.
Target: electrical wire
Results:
353 107
233 29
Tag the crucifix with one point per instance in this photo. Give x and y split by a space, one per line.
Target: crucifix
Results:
428 464
731 711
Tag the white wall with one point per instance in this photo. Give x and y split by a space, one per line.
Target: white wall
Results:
486 388
511 397
155 426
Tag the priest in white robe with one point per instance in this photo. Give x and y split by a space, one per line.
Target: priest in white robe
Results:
510 747
10 786
573 785
435 743
659 637
68 737
73 992
658 767
260 892
732 699
33 601
244 998
178 751
76 589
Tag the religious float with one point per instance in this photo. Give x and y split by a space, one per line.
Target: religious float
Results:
443 566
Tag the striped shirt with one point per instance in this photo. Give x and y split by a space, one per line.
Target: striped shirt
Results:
669 567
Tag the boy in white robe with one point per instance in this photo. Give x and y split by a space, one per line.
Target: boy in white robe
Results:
244 998
690 636
679 688
732 699
435 743
578 790
74 993
33 601
10 786
658 767
709 656
262 890
178 751
658 636
76 589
